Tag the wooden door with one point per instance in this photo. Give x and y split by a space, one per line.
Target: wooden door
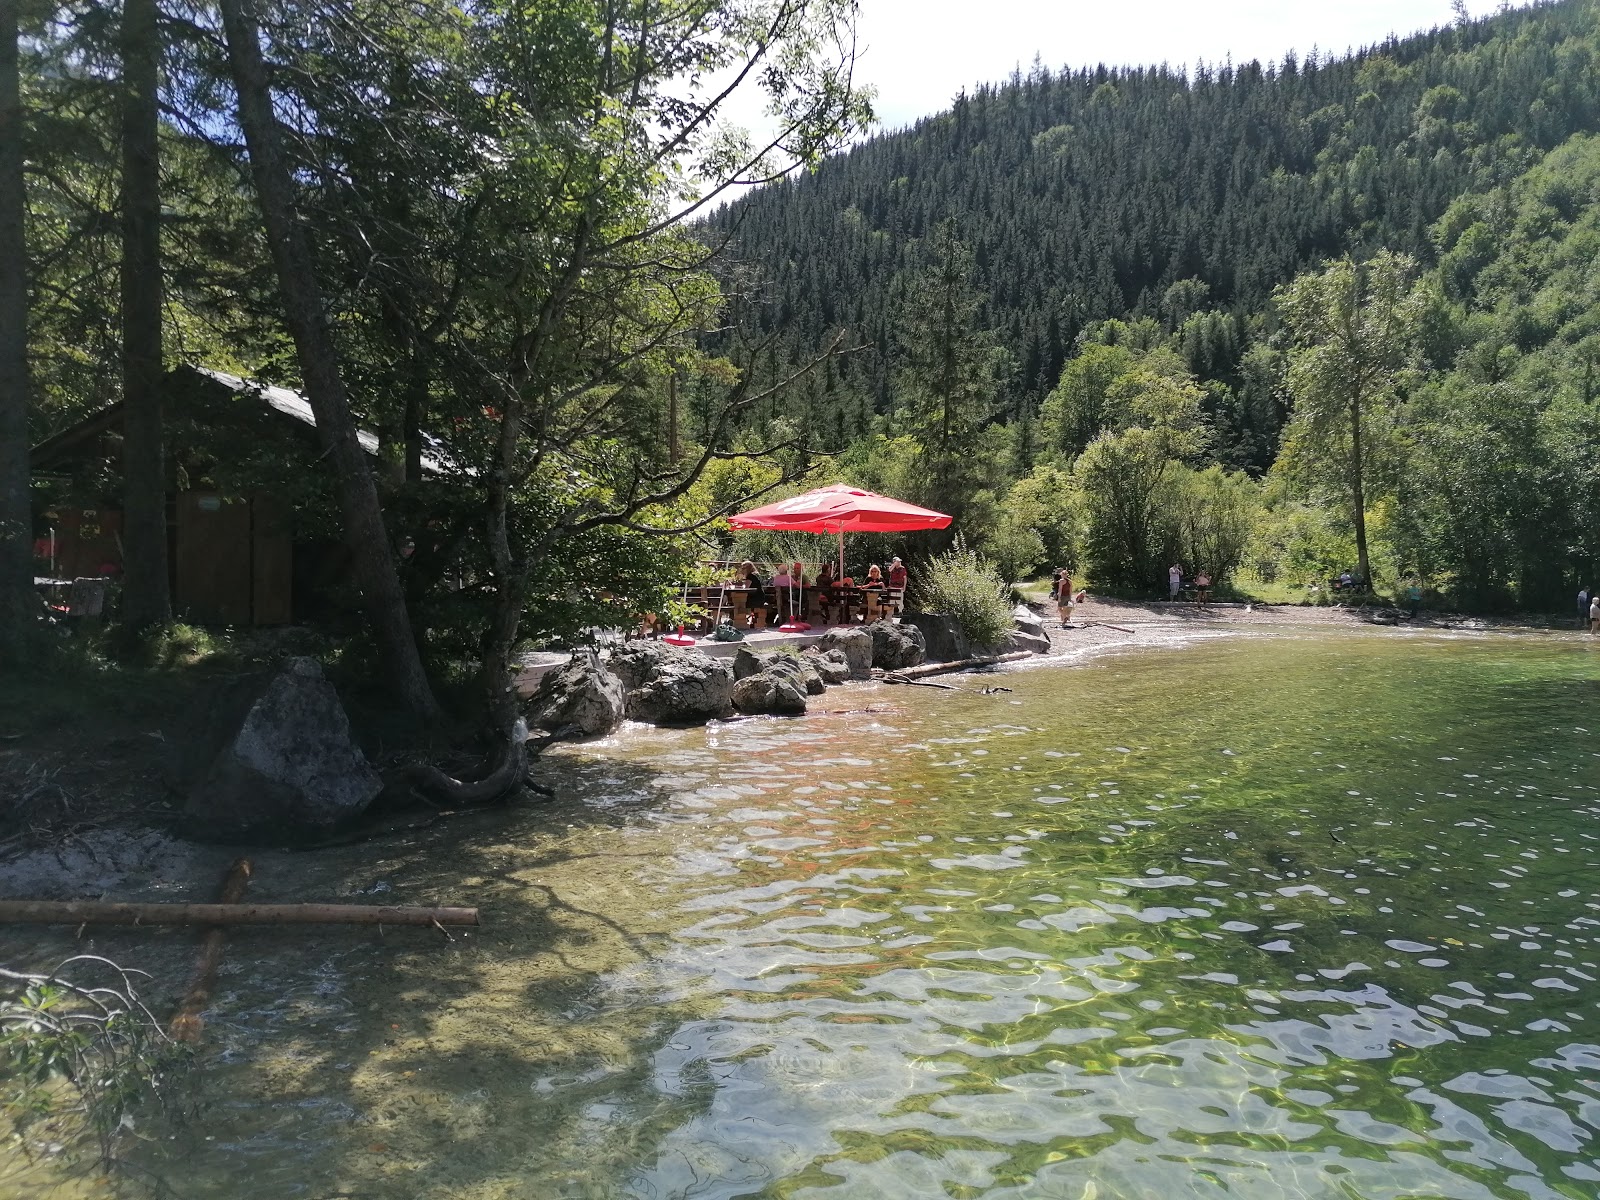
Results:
213 575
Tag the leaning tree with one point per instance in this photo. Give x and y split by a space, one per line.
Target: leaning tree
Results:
505 200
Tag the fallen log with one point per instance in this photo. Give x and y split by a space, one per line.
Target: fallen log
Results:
962 664
187 1024
899 677
107 912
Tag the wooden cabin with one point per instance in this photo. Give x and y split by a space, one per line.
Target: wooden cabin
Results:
251 539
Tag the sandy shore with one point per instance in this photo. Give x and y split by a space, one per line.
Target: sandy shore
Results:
1106 623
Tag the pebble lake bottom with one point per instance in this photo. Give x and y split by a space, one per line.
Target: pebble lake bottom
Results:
1265 915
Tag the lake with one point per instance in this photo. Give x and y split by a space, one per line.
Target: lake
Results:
1264 915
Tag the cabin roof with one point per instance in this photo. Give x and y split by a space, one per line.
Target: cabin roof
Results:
290 404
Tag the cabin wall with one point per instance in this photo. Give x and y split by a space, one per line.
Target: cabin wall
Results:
234 562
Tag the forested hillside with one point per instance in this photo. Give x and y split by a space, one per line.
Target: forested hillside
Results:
1122 248
1097 193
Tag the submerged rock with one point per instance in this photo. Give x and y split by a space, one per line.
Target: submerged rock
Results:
275 759
856 647
666 685
580 694
896 646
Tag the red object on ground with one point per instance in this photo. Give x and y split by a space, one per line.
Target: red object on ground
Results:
679 639
840 508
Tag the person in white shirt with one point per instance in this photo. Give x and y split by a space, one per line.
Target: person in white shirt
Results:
1174 580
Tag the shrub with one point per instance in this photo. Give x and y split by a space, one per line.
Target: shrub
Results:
965 587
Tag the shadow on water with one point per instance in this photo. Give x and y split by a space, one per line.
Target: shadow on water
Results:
351 1062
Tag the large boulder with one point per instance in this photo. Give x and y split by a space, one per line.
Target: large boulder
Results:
895 646
1028 633
1033 643
943 640
581 694
855 645
831 667
273 759
777 691
1027 620
668 685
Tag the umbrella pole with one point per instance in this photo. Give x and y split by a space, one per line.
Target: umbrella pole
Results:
841 552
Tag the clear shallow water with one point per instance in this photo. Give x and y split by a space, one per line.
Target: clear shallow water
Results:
1262 917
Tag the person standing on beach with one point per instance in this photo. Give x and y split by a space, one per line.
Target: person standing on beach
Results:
1583 606
1414 598
1594 613
1174 580
1064 598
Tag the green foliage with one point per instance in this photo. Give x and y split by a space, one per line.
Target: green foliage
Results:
962 585
76 1060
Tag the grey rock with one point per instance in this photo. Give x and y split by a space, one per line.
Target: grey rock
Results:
279 762
747 662
801 672
855 645
895 646
1027 620
770 692
943 640
831 667
581 694
635 661
1022 639
668 685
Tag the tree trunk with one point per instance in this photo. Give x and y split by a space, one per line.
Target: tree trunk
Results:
362 517
145 598
1358 494
18 608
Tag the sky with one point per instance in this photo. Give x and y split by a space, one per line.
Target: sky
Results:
920 53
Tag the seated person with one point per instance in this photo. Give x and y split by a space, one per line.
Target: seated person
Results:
824 586
874 577
782 588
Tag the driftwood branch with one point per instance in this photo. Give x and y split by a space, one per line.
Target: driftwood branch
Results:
897 677
959 664
106 912
186 1023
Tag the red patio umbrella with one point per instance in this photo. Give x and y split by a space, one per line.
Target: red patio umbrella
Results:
838 508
